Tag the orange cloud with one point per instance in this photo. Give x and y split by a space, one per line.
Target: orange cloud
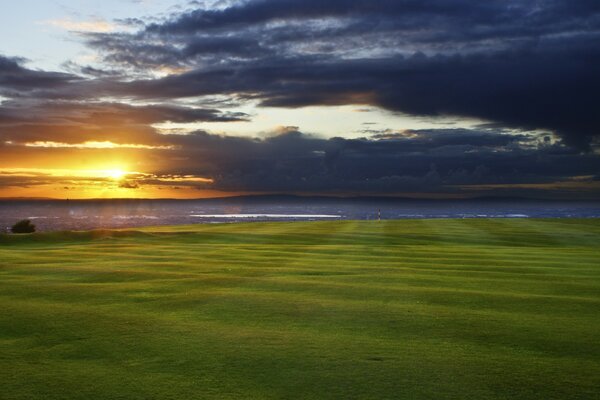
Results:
95 145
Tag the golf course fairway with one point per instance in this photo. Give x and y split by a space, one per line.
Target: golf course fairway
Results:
405 309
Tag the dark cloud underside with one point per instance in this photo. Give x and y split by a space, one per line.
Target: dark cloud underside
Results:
522 64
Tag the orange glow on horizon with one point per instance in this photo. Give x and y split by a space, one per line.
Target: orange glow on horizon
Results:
114 172
114 181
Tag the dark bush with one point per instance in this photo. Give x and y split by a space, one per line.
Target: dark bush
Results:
24 226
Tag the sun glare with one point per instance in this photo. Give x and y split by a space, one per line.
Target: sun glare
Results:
114 173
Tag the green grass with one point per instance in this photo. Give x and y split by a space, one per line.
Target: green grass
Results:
412 309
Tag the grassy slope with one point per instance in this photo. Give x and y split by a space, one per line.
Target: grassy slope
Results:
415 309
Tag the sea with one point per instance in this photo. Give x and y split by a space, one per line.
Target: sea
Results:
57 215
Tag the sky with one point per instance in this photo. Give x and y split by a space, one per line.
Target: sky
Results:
193 99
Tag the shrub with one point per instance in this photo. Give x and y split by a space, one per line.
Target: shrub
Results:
24 226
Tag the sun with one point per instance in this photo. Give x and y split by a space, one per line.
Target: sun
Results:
114 173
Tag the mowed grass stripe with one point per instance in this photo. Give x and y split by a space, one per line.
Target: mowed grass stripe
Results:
415 309
376 361
472 262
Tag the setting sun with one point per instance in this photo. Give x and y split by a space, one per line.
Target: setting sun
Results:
114 173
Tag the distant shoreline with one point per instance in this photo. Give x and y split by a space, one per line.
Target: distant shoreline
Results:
286 197
58 215
162 227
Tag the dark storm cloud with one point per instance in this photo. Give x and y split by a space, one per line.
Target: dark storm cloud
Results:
520 64
404 13
554 89
423 161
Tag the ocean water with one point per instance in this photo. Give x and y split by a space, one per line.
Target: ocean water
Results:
55 215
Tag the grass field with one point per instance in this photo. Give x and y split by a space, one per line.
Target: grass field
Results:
411 309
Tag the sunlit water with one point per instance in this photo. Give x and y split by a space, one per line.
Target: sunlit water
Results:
83 215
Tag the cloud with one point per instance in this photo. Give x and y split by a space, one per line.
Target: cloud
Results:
92 145
97 25
77 124
129 185
513 63
16 80
428 161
